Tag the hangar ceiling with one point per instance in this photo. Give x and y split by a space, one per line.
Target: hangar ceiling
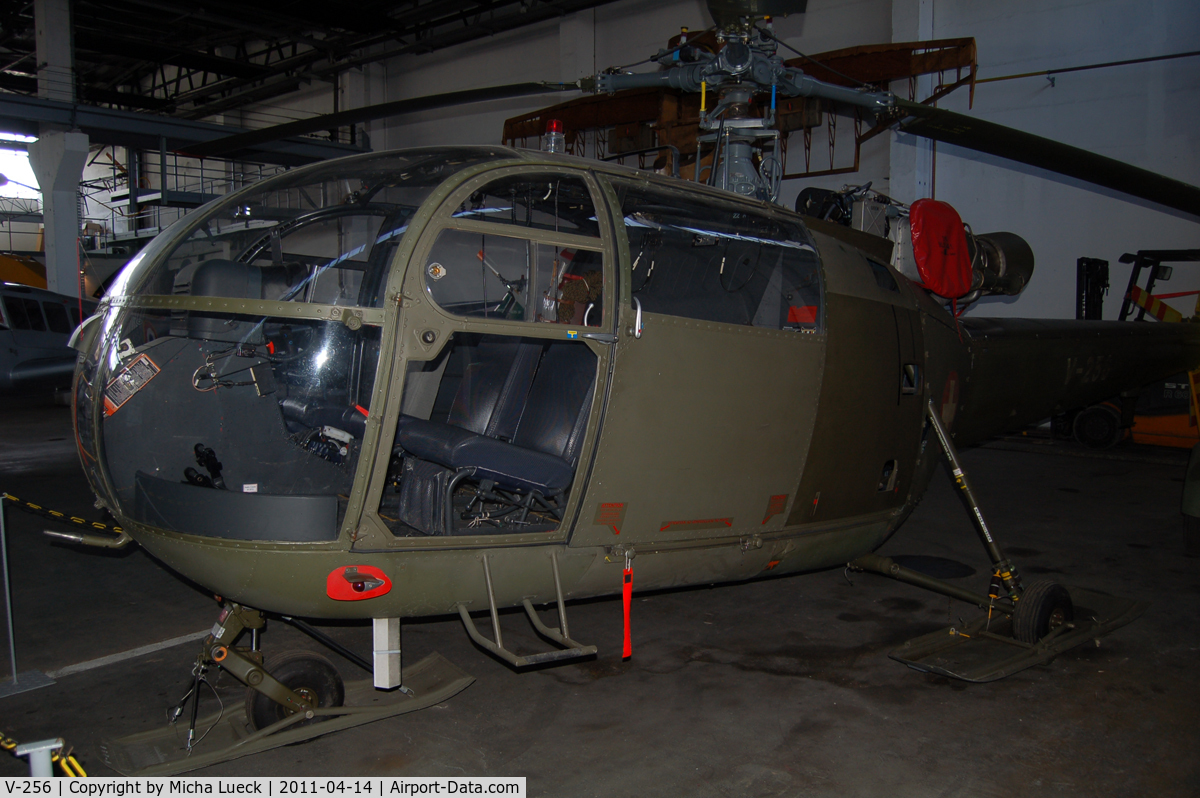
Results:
191 60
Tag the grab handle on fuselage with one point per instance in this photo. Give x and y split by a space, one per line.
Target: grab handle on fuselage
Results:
100 541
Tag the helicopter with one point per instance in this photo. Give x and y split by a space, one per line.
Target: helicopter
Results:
35 325
457 380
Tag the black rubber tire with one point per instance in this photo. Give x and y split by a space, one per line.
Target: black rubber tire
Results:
1044 606
1098 427
304 672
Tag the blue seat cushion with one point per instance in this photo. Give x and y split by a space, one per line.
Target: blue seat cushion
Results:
513 467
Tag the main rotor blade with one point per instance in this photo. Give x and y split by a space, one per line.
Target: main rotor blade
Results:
976 134
367 113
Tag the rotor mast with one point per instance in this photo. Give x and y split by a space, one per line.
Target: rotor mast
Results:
747 65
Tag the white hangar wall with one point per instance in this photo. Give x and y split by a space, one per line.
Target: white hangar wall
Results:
1144 114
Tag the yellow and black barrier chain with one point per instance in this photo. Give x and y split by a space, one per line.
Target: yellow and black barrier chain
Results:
55 515
69 764
64 756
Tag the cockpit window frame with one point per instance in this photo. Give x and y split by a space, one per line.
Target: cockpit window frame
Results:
689 192
133 277
371 533
401 343
604 244
386 317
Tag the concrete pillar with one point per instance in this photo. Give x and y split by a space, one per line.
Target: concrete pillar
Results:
359 88
55 50
576 58
577 46
912 169
57 158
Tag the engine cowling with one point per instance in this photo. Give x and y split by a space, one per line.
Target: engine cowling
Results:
1001 264
991 264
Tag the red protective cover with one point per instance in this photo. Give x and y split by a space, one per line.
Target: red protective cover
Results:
940 246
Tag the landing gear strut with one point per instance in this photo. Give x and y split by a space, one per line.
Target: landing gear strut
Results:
1006 589
1023 626
292 698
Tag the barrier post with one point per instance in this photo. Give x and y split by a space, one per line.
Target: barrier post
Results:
40 764
30 680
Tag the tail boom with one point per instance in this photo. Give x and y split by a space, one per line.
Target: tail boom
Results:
1024 370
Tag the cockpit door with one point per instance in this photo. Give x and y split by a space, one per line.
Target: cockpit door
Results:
503 343
716 374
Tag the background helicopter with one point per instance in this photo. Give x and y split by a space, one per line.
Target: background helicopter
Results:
34 327
449 505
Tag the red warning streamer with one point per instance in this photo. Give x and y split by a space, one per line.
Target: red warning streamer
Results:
627 591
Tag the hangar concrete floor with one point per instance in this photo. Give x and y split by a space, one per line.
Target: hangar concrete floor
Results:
777 687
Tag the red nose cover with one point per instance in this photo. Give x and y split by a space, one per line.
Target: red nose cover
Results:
940 246
356 582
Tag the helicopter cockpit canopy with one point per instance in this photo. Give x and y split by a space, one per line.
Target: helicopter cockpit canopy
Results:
253 401
228 390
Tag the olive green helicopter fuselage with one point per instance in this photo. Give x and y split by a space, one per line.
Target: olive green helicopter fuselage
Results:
493 374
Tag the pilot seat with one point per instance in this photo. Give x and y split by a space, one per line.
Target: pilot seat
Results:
505 455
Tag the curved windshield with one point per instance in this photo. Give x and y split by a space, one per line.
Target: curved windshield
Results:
210 422
323 234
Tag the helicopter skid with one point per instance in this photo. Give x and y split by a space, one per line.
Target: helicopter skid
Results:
983 652
162 752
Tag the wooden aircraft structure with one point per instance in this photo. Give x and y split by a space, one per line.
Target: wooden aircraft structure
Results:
642 123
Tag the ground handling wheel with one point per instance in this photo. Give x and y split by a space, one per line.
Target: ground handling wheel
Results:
1043 607
309 675
1098 427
